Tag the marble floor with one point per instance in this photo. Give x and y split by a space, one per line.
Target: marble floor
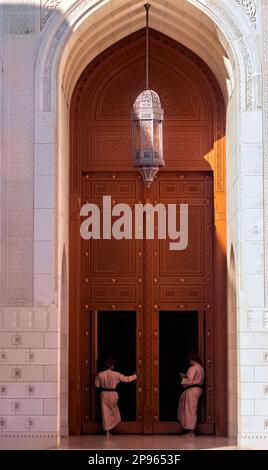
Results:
140 442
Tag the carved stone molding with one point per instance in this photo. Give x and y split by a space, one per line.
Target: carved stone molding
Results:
222 19
232 26
13 319
265 140
250 9
46 8
253 436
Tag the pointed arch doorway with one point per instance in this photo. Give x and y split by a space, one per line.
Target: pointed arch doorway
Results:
135 299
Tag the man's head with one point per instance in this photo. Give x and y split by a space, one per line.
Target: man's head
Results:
193 358
109 364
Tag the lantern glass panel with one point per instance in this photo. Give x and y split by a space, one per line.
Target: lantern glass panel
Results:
147 136
156 137
137 137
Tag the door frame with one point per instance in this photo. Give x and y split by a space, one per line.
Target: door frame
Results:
212 106
162 427
89 353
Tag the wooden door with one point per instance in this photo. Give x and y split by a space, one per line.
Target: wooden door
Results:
112 281
183 283
144 276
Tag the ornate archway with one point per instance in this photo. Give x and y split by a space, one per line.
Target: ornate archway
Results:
61 59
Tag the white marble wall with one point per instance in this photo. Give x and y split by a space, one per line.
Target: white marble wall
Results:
252 338
28 377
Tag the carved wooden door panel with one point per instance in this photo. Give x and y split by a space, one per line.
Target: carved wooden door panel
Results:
183 284
112 280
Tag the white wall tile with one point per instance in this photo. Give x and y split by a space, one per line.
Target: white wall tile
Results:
251 127
252 290
15 389
44 130
45 390
43 289
46 423
50 373
261 373
16 423
26 407
252 224
6 340
43 257
43 192
29 441
27 373
34 356
252 424
245 340
261 340
252 159
45 356
43 224
252 257
44 158
50 407
17 356
31 373
261 407
253 191
41 389
252 357
5 373
251 390
246 373
51 340
247 407
31 339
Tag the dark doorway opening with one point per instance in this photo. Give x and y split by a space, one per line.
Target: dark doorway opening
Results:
117 340
178 335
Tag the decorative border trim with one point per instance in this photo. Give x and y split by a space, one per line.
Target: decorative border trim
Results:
265 149
46 8
253 436
27 435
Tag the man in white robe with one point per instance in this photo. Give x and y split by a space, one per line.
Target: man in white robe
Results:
107 381
192 383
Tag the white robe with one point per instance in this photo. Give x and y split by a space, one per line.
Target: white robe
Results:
109 400
187 409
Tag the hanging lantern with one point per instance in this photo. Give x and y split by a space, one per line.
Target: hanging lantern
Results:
147 128
147 122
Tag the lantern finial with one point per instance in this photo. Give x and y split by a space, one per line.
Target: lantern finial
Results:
147 7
